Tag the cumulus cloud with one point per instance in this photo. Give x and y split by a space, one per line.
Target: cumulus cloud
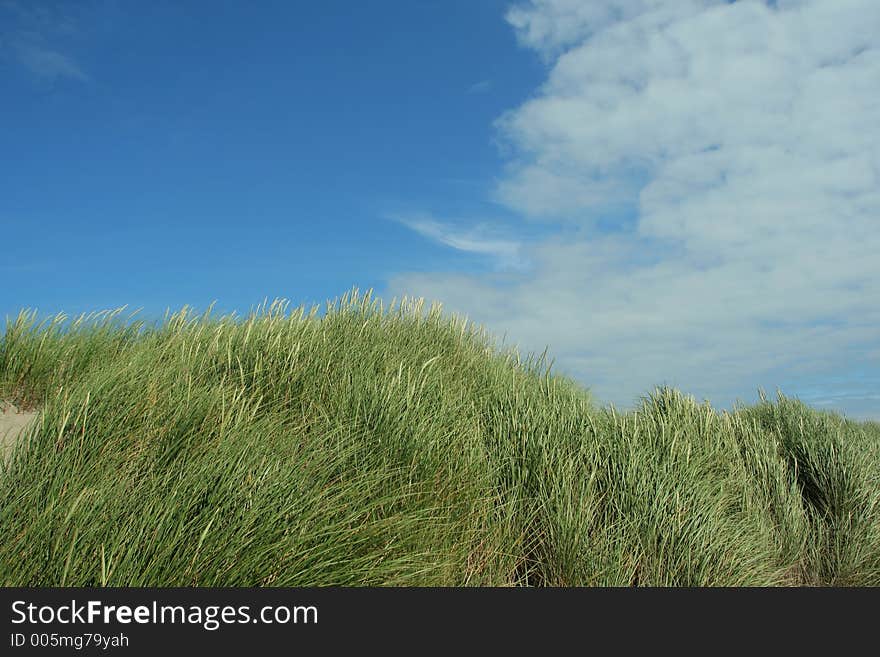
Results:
745 138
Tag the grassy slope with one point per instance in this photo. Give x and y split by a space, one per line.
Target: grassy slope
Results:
397 446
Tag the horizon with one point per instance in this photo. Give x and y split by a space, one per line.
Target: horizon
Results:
680 194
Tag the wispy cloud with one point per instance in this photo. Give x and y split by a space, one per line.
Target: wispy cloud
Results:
507 254
745 138
480 87
49 64
26 268
35 36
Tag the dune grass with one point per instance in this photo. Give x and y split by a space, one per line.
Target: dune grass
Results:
399 446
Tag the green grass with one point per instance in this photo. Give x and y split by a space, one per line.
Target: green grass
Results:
399 446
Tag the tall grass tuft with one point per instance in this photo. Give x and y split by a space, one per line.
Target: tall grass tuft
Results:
374 445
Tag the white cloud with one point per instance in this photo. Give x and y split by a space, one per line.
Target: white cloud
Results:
480 87
476 239
747 138
34 34
50 64
550 26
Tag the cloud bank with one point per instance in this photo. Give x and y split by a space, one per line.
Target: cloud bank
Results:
713 170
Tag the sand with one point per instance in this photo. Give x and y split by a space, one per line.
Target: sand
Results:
12 421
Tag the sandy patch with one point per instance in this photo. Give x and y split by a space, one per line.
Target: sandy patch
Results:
12 422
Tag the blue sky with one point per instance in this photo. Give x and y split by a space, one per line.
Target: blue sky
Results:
174 154
662 192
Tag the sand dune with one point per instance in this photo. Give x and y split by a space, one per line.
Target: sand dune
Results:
12 421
